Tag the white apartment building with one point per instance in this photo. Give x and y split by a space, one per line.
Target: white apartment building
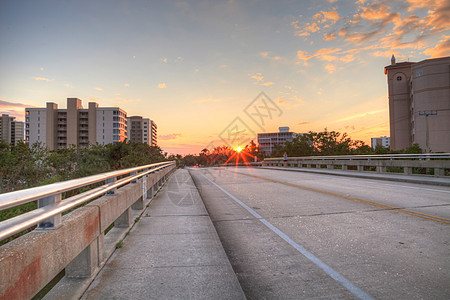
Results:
60 128
111 125
35 125
11 131
267 141
142 130
383 141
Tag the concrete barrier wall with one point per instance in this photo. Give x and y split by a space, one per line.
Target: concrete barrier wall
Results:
440 167
29 263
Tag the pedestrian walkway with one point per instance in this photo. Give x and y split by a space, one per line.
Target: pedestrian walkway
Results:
420 179
173 252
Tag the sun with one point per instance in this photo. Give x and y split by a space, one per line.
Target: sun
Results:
238 149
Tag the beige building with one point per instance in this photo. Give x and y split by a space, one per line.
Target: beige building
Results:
268 141
383 141
142 130
61 128
419 104
11 131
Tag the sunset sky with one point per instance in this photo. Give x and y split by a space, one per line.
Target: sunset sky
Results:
194 66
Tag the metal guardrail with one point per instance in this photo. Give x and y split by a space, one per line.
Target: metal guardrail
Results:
424 156
437 164
50 206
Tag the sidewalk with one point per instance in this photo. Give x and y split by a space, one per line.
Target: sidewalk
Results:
372 175
173 252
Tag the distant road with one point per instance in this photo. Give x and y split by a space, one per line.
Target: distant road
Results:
292 235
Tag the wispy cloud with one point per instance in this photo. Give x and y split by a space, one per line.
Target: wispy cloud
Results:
124 100
167 137
356 116
378 26
204 100
126 84
259 79
268 56
161 85
441 49
303 123
330 68
13 109
42 79
68 85
257 76
98 89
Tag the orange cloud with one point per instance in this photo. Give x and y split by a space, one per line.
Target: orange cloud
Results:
257 77
303 56
161 85
441 49
167 137
267 55
329 36
42 79
331 15
330 68
204 100
13 109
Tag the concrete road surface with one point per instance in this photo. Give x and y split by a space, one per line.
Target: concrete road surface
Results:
293 235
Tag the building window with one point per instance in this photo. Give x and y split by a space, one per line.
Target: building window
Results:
399 78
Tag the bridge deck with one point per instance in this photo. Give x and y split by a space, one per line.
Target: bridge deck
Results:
172 252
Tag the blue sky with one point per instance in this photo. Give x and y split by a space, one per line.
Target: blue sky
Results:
193 66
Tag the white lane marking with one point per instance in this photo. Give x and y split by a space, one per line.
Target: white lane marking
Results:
326 268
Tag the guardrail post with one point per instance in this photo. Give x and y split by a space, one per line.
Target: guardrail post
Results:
144 185
111 181
381 168
125 220
360 168
344 167
132 174
52 222
407 170
439 172
139 204
87 261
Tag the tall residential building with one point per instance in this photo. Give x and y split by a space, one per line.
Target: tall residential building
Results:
142 130
267 141
153 129
383 141
419 104
11 131
60 128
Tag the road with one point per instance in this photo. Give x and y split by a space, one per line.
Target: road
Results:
292 235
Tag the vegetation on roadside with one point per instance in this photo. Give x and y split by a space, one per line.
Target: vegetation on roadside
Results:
24 166
308 144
